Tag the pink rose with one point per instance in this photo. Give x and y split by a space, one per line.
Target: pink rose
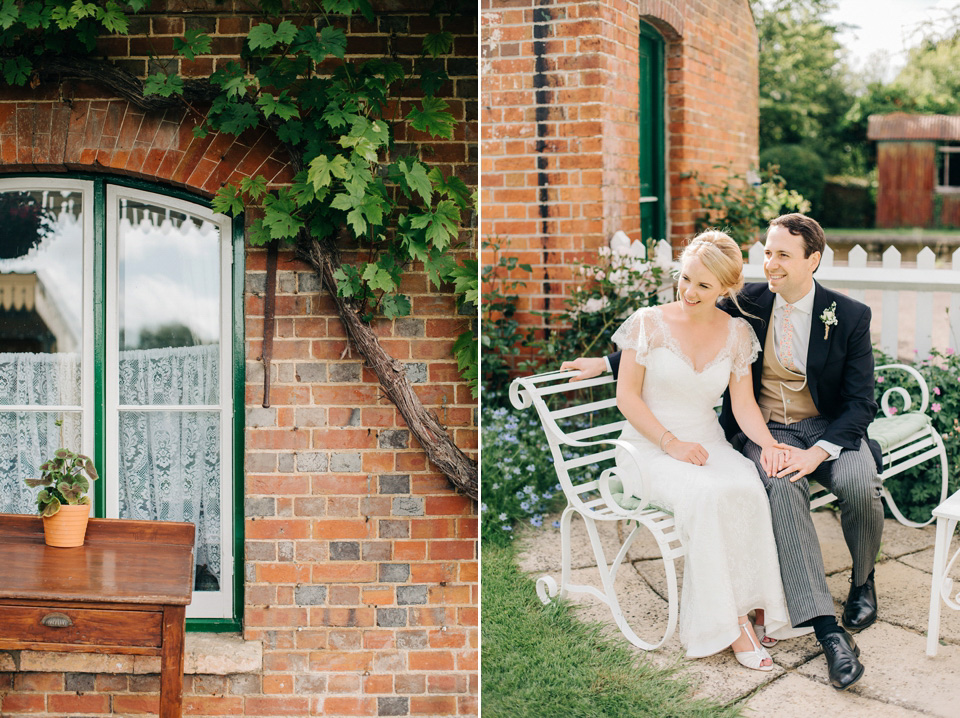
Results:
893 410
880 380
935 407
936 391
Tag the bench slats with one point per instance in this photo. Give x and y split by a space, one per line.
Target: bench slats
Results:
906 450
589 459
914 461
583 408
616 427
585 384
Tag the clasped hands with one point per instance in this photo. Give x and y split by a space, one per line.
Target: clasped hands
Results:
776 459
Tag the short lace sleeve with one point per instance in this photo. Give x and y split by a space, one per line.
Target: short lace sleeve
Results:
639 332
746 347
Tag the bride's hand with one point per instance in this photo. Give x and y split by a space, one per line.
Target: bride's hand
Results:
688 451
774 457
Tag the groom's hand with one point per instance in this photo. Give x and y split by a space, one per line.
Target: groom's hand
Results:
588 367
803 462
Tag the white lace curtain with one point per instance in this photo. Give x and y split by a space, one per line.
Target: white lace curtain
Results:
27 439
169 461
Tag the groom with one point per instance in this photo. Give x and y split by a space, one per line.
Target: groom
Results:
813 380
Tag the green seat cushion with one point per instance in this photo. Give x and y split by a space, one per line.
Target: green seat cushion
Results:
624 502
629 503
891 430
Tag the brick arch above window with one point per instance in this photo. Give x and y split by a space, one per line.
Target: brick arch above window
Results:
115 136
663 15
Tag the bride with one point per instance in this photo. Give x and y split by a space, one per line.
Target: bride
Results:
677 361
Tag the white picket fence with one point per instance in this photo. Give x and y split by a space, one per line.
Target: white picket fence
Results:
895 283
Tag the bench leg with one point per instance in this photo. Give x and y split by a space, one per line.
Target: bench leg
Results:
941 550
547 588
608 577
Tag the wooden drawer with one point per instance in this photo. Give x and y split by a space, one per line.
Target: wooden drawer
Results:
80 626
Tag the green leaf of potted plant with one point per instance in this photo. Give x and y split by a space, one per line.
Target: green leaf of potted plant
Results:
63 503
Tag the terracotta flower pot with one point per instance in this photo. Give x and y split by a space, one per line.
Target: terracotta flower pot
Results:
67 527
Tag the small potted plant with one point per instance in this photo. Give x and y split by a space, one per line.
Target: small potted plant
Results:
63 503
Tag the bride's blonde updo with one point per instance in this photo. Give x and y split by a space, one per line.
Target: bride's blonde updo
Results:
722 257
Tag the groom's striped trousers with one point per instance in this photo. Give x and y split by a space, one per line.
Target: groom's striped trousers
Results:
853 478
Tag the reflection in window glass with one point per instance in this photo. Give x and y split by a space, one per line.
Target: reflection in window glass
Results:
168 278
41 296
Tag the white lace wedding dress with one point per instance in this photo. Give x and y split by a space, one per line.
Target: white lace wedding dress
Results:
720 508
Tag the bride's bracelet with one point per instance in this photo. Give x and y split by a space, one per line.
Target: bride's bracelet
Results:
660 443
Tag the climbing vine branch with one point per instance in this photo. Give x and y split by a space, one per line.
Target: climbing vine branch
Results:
354 186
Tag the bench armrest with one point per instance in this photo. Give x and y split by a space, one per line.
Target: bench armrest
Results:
901 392
633 484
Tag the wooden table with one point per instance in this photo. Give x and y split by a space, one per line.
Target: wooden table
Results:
124 591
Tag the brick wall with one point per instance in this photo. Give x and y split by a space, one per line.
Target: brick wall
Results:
555 193
360 560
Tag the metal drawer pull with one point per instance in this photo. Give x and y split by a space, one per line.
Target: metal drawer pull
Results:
56 620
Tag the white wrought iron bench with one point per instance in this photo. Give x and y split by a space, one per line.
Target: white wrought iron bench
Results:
583 437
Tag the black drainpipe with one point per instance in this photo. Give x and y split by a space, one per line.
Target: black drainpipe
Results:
541 16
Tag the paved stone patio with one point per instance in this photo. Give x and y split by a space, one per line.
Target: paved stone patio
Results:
900 680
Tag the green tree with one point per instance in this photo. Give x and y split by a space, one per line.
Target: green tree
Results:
928 84
804 80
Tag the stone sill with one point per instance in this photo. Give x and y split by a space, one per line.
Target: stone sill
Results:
217 654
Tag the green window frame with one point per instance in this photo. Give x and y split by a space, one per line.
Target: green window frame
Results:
95 190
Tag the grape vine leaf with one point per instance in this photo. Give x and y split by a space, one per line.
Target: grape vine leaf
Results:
193 43
434 119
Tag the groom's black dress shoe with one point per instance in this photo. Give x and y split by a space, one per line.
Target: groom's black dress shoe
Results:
843 664
860 610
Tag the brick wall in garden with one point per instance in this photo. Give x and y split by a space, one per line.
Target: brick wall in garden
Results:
555 192
360 560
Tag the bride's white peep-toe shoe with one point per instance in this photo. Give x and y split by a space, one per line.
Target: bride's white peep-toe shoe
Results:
765 640
753 659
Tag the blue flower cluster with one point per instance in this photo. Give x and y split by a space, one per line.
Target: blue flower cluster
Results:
519 484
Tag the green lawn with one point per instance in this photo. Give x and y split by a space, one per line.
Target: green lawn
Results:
540 661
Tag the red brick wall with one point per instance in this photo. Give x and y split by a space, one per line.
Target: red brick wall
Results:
360 560
589 152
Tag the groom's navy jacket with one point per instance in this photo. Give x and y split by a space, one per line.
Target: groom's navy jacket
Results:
839 367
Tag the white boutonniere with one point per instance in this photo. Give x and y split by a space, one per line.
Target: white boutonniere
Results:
829 319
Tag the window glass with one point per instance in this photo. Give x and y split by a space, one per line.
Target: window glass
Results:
168 297
948 165
41 329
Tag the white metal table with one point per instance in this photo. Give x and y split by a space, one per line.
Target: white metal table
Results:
947 515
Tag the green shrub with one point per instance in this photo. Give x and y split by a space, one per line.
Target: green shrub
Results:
848 202
743 208
620 282
917 490
503 336
801 168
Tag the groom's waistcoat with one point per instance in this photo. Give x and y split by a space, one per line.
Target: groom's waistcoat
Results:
784 395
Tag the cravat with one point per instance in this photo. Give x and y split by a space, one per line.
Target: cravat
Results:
786 338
